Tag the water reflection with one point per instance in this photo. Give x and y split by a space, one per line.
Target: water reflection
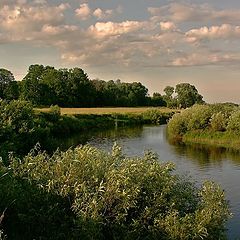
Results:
206 155
97 137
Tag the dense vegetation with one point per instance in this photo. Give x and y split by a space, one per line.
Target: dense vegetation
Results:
45 86
85 193
216 124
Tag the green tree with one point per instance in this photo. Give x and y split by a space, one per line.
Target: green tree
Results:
168 97
158 100
8 85
187 95
32 88
80 90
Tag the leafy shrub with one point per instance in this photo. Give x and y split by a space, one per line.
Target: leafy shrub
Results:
234 122
16 117
156 116
218 122
199 118
178 124
116 197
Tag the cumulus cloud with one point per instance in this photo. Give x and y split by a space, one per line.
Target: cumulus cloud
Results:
186 12
157 41
103 29
83 12
23 18
225 31
101 14
167 26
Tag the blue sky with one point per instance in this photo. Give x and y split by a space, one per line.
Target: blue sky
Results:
159 43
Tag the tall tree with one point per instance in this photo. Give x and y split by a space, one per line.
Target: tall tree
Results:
187 95
8 85
32 88
168 97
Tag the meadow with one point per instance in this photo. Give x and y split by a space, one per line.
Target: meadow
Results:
107 110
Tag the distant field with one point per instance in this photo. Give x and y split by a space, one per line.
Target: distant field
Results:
122 110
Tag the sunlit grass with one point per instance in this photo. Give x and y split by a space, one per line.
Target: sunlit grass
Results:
105 110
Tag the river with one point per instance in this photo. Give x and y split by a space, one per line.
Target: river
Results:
201 163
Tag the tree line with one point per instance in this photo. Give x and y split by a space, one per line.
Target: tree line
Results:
46 85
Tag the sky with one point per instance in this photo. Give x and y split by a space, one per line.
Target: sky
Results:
158 43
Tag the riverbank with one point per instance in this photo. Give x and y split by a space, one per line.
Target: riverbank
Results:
216 139
22 126
80 120
210 124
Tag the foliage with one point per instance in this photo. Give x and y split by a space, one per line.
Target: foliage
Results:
234 122
218 122
157 100
114 197
8 86
156 117
204 123
187 95
46 86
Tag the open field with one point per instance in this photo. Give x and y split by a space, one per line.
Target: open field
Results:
120 110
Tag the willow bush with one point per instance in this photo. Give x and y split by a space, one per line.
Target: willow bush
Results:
116 197
208 117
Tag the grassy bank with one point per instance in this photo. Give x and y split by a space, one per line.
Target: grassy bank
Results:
216 125
218 139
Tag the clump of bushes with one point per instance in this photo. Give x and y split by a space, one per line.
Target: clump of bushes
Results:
112 196
209 121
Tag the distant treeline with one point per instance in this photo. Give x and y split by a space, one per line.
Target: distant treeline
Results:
45 86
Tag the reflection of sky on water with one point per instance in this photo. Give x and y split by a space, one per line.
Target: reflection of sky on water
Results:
201 163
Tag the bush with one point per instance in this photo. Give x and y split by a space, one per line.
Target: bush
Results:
219 122
116 197
178 124
156 116
199 117
234 122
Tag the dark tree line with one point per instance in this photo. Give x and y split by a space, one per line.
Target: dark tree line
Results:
45 86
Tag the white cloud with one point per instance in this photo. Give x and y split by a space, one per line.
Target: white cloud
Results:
103 29
186 12
101 14
158 41
225 31
167 26
206 58
83 12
